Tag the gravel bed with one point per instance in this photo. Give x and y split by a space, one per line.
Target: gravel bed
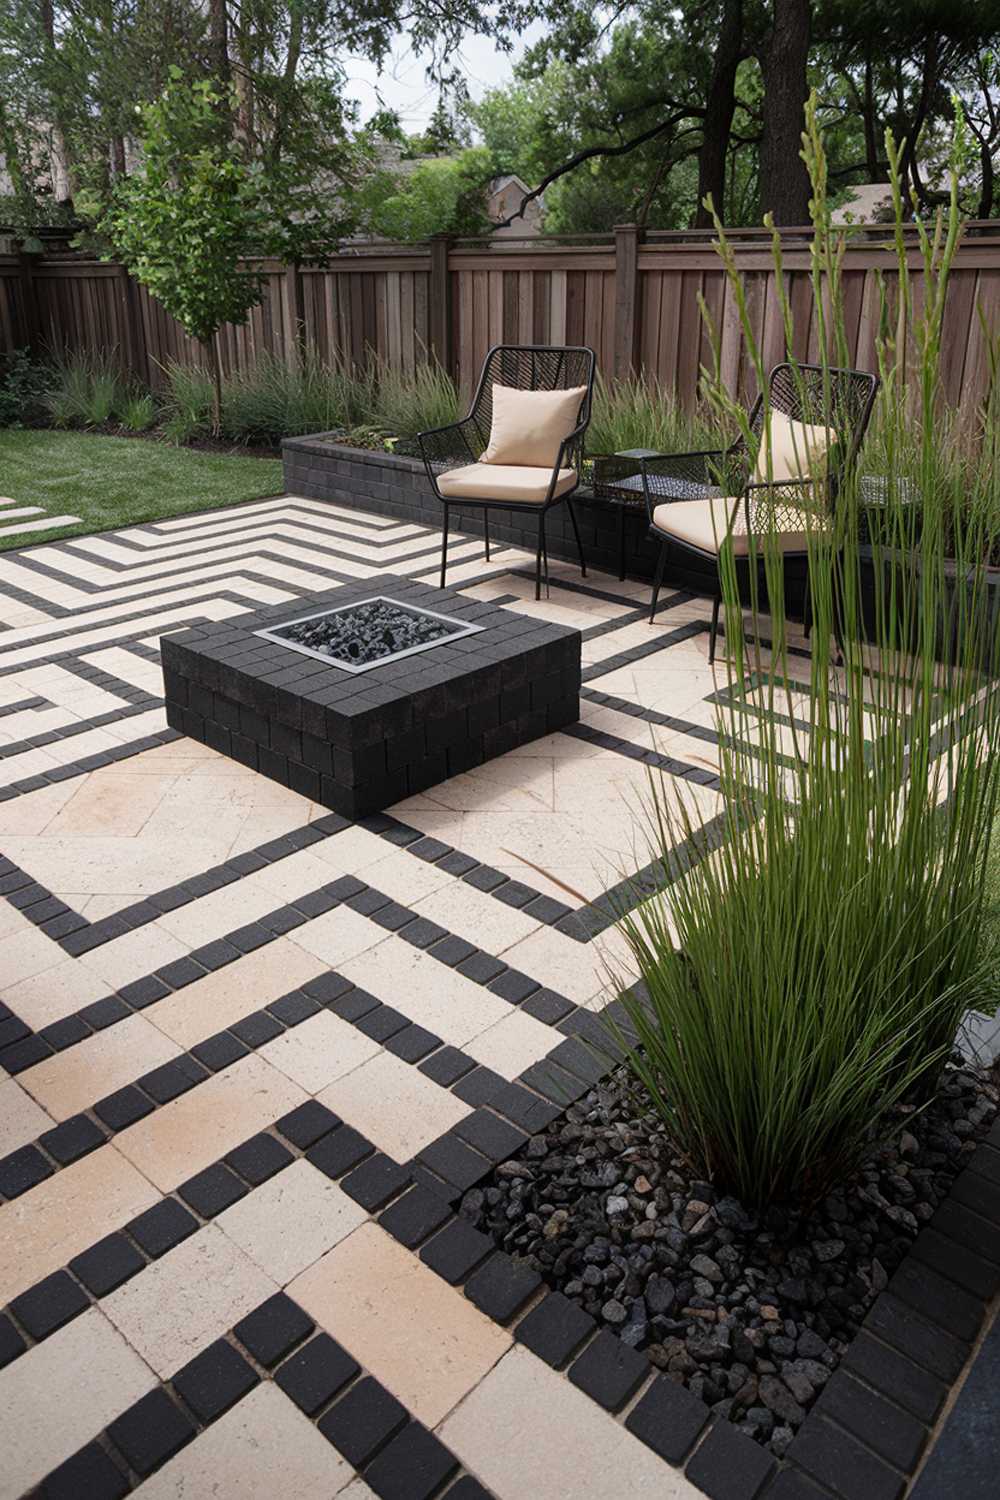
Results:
751 1313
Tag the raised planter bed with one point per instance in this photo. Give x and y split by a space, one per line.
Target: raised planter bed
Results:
389 484
878 1403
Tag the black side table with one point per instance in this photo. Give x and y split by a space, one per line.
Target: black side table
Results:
618 480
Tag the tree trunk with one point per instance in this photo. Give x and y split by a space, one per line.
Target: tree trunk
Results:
62 165
212 346
720 106
218 31
871 126
784 180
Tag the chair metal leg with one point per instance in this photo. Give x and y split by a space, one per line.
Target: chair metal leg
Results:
486 531
576 533
545 557
538 555
661 563
716 604
621 544
444 546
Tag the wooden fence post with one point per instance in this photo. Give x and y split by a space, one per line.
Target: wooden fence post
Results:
626 300
30 305
439 304
295 315
135 353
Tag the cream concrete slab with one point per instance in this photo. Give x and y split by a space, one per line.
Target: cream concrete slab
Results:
414 1332
33 811
289 1222
338 935
320 1050
54 993
525 1430
22 1119
27 953
394 1105
513 1044
476 916
573 969
404 877
118 805
220 912
52 1222
263 1447
351 849
187 1298
228 994
71 1081
109 865
502 785
133 955
62 1393
426 991
193 1131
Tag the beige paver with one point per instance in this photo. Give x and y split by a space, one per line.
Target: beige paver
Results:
426 991
60 1394
54 993
264 1446
394 1105
230 993
193 1131
73 1080
291 1221
125 959
183 1301
513 1044
338 935
26 953
52 1222
477 917
419 1336
525 1430
21 1119
320 1050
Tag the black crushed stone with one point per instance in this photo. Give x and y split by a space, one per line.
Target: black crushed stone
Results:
751 1312
368 632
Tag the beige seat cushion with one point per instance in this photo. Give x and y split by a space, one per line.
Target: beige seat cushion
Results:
528 427
705 524
798 450
497 482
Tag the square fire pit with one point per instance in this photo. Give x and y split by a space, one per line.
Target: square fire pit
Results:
361 696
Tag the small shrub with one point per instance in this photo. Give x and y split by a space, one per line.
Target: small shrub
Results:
403 403
24 385
88 392
273 400
642 413
138 411
187 403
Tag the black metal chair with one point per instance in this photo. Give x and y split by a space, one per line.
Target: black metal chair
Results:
697 502
457 449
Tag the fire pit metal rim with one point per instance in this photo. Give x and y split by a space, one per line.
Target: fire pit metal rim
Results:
459 628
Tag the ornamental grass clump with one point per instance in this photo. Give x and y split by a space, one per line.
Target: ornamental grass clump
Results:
810 974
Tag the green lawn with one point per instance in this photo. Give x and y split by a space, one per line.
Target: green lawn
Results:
111 482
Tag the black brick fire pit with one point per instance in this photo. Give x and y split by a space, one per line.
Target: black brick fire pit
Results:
449 694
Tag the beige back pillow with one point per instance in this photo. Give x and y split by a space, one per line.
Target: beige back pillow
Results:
529 426
798 450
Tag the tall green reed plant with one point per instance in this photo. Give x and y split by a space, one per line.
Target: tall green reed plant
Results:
811 973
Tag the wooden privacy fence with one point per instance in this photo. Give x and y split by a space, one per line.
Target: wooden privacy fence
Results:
634 298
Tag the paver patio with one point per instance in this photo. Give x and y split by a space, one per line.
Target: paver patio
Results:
239 1029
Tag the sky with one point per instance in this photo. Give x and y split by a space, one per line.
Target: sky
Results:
403 84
